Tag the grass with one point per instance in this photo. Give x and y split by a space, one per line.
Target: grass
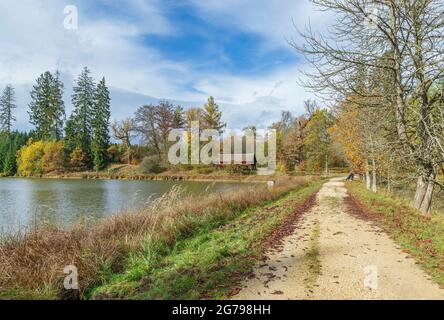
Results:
314 262
174 248
420 236
209 264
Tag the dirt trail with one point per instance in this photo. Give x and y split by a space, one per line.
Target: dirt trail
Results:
333 255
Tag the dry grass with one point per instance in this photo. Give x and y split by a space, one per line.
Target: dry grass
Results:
31 265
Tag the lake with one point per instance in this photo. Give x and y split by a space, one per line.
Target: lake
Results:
25 202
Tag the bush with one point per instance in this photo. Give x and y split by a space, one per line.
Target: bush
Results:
53 156
29 158
151 165
78 160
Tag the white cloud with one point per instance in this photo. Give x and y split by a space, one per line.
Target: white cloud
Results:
274 20
33 40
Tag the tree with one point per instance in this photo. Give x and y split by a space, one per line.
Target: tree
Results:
83 102
47 110
145 126
211 116
53 158
9 146
179 118
193 115
318 142
78 160
29 158
124 131
401 42
164 117
7 106
100 126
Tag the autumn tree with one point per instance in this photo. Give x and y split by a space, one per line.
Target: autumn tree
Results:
402 41
124 132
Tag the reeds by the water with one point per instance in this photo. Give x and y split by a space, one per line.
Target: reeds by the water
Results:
31 264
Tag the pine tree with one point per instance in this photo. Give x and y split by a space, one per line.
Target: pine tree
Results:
100 126
179 118
83 103
59 109
47 109
211 117
7 105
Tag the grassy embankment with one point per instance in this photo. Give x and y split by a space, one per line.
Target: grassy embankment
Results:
189 248
420 236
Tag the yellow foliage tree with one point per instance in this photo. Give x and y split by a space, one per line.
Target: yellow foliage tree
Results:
78 160
29 158
348 132
52 156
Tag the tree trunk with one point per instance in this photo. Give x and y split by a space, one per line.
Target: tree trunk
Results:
326 166
424 193
374 185
389 187
367 177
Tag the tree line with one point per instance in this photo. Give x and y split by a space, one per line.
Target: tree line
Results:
382 66
80 142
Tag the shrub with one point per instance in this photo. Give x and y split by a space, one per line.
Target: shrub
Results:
151 165
29 158
78 160
53 156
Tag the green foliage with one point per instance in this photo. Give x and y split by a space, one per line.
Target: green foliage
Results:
317 141
220 251
212 117
79 132
47 108
7 106
9 146
100 126
151 165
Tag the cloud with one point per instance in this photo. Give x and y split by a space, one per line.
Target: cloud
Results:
110 40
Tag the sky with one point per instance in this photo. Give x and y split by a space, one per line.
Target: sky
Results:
180 50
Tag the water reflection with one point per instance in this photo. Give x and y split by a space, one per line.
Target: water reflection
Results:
26 202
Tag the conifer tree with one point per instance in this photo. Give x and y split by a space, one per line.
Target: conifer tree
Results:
47 110
7 105
211 117
100 126
83 103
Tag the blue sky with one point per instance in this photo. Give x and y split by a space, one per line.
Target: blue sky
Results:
183 50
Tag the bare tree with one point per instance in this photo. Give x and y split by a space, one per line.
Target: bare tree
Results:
124 131
398 42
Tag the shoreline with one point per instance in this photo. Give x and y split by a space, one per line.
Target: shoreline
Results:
162 177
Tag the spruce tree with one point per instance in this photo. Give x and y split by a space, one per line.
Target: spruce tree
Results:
179 118
47 109
211 117
100 126
83 103
7 105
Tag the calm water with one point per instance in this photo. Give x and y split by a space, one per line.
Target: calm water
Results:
25 202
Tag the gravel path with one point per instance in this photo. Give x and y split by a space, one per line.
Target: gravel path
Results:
333 255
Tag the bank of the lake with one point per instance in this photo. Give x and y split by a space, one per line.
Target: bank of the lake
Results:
31 202
218 235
